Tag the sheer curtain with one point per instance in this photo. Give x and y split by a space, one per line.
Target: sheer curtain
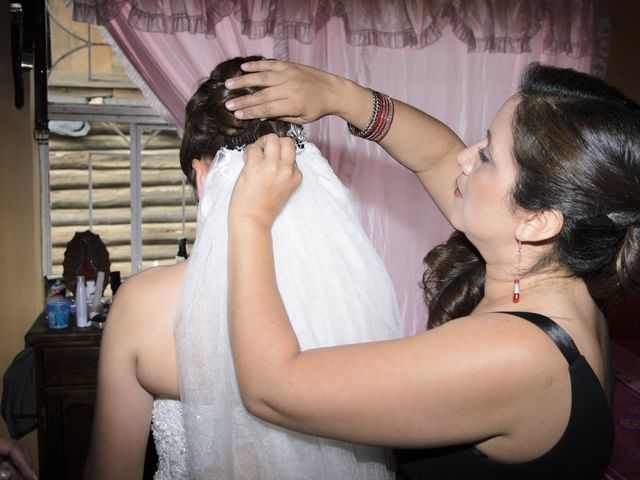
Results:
457 60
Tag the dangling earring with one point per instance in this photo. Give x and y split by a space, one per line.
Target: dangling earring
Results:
516 280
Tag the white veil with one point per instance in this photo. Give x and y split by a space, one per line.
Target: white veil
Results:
335 289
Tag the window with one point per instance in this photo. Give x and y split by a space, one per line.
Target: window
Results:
111 165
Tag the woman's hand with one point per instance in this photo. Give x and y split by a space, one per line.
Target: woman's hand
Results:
292 92
269 177
14 461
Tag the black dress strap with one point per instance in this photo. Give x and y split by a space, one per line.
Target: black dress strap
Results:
559 336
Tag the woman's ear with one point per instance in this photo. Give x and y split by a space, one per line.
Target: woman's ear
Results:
200 169
540 226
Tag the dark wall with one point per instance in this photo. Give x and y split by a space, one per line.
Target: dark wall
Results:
624 57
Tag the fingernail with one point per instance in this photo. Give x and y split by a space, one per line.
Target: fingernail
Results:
230 82
230 104
239 114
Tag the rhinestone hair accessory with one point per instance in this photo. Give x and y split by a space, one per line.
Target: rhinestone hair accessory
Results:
295 132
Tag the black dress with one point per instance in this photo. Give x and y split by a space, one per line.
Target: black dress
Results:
582 452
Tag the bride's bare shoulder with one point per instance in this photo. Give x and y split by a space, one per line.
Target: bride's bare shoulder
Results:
154 292
154 281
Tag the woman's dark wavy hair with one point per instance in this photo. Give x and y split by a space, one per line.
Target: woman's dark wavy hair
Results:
576 144
209 126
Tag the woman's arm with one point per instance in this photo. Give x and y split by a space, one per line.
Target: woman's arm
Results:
123 407
302 94
466 381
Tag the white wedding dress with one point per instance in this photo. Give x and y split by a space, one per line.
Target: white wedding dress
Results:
169 437
336 291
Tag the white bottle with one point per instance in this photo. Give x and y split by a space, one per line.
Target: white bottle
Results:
91 290
81 303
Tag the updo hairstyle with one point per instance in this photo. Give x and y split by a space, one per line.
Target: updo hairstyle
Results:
209 126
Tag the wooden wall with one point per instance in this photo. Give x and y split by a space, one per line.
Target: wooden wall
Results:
162 195
108 153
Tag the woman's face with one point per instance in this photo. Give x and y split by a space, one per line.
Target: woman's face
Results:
482 207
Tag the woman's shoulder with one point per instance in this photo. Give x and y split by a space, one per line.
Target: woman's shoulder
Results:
140 325
148 296
152 284
501 365
502 339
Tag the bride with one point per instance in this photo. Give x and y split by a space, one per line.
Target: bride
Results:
165 357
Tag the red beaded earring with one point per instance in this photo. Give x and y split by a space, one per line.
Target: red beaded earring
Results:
516 280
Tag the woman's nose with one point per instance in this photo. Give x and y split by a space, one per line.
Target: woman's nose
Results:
466 159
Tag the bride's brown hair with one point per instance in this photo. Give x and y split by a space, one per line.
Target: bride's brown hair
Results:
209 126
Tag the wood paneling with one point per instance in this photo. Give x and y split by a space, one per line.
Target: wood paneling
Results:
163 194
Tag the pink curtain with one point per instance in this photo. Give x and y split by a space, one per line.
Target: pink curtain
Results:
460 82
491 25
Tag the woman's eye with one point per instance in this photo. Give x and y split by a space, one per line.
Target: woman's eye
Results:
483 155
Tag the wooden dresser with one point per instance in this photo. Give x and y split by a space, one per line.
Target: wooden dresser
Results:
66 373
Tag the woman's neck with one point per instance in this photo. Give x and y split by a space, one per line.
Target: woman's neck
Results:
535 289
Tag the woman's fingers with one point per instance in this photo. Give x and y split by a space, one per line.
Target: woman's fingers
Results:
289 91
268 179
266 157
264 76
258 79
272 153
273 102
263 66
288 154
264 152
255 106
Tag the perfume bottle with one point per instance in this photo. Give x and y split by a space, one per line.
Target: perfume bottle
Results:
82 320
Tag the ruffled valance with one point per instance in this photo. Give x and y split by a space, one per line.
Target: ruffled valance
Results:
568 26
